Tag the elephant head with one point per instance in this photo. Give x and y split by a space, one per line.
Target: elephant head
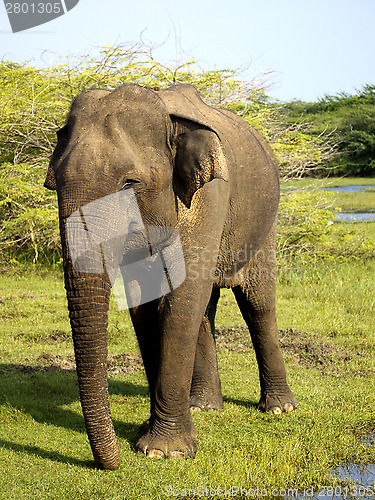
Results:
133 156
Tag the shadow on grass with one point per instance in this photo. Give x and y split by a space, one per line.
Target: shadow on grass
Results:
49 455
241 402
43 395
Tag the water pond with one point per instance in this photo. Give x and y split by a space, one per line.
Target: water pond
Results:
351 189
354 216
355 482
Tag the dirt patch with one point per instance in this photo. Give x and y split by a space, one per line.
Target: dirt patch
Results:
27 295
118 363
124 363
236 338
329 358
57 336
306 350
53 362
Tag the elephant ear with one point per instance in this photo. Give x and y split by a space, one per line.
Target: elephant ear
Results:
62 140
50 182
199 159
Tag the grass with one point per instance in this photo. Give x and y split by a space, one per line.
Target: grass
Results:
326 315
44 452
330 182
363 201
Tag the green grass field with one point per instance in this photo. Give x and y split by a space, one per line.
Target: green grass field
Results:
44 452
326 315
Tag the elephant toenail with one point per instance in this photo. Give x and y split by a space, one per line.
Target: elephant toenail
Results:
288 407
176 454
194 409
156 454
276 411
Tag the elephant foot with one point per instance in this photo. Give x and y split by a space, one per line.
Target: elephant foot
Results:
146 425
277 402
157 445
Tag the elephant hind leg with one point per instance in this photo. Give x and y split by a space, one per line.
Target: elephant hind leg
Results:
205 391
256 300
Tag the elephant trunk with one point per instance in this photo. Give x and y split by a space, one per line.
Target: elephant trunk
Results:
88 303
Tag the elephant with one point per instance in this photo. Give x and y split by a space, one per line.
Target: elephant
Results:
209 183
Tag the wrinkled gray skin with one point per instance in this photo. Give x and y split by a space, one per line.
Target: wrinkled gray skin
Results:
206 173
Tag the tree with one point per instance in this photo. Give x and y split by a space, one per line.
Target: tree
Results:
349 120
34 103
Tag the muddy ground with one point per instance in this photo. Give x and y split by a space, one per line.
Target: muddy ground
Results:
299 347
304 349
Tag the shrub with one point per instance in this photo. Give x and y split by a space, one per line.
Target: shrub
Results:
29 215
34 103
308 231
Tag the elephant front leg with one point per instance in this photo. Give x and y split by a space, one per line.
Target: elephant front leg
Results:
171 432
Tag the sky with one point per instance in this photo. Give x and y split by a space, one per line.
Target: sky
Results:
311 47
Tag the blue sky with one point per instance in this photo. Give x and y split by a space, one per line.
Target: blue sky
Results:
314 47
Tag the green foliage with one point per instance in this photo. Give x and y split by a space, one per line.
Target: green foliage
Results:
34 103
350 120
32 107
358 139
305 224
298 152
29 227
308 231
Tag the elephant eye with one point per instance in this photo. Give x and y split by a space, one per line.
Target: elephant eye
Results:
129 183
